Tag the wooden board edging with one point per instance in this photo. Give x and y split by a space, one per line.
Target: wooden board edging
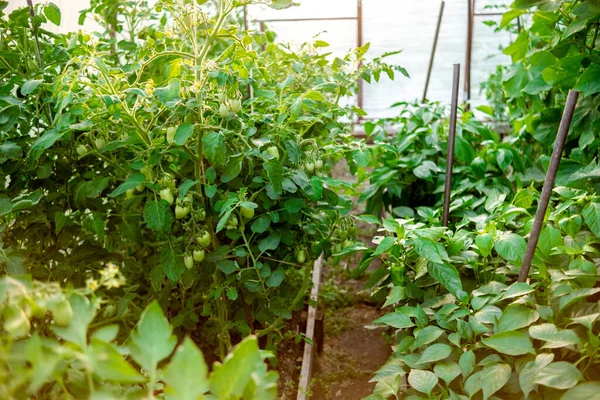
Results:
307 359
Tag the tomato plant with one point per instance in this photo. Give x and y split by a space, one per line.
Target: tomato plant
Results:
174 145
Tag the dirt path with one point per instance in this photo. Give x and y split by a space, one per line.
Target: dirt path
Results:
349 357
353 351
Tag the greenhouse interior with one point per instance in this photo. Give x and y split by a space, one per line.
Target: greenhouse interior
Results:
299 199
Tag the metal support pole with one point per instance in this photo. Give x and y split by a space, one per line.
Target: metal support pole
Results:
451 137
359 43
435 41
540 214
469 52
245 18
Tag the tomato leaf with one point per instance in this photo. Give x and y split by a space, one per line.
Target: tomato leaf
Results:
214 148
158 215
186 375
228 380
183 133
152 341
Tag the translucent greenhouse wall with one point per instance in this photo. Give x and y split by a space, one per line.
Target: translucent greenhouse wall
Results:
406 25
389 25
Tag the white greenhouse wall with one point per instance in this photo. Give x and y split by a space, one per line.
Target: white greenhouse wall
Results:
388 25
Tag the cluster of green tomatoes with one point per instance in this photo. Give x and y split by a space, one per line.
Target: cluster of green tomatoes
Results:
228 107
99 143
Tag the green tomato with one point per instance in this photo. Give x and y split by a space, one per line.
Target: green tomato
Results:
273 151
99 142
200 215
181 212
190 118
222 97
309 166
199 255
166 180
147 172
129 193
189 262
38 310
81 150
348 243
235 105
16 322
248 213
223 110
171 131
301 257
337 248
319 164
63 313
204 239
167 195
140 187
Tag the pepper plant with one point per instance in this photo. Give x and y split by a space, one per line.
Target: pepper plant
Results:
461 317
408 157
556 50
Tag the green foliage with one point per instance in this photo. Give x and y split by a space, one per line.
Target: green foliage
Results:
557 50
41 355
171 133
171 162
464 327
408 158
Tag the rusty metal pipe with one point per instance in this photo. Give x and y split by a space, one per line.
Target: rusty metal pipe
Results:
469 52
451 137
433 48
359 43
559 145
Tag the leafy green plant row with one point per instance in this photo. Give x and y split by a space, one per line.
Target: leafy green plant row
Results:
409 165
464 328
460 318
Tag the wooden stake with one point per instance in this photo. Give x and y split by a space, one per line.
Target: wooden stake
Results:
307 360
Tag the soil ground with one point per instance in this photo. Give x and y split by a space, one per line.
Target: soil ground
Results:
352 350
351 355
